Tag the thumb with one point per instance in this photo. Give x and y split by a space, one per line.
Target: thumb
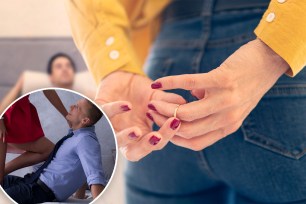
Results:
114 108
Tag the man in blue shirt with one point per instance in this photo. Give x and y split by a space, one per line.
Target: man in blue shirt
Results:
76 159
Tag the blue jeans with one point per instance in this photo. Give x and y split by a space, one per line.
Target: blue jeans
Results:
262 162
24 193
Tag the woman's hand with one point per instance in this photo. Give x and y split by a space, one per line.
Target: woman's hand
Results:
226 95
132 142
136 91
2 130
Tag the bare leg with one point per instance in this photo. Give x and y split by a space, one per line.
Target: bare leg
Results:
35 152
2 160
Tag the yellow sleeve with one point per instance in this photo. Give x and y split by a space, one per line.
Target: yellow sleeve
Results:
100 30
283 29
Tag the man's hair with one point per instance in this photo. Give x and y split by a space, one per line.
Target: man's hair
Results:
57 55
94 113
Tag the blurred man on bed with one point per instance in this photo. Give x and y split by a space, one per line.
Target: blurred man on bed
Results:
75 159
61 70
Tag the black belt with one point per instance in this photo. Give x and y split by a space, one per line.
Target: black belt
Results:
191 8
45 188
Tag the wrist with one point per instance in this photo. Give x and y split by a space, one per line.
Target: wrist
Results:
273 60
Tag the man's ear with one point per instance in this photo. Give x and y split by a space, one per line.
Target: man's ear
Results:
86 121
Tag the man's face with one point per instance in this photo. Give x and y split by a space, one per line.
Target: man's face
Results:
77 116
62 73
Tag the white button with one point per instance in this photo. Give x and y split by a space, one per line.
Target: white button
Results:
270 17
109 41
281 1
114 54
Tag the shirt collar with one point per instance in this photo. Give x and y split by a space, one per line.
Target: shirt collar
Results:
84 129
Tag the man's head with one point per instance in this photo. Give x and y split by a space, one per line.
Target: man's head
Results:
61 69
83 114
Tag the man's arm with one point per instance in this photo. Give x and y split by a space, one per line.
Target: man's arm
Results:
12 95
96 189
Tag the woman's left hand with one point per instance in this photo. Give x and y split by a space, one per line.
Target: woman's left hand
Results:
226 95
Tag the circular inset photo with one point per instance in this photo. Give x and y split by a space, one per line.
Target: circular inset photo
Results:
55 146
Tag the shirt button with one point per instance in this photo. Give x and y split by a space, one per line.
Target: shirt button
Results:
281 1
270 17
114 54
109 41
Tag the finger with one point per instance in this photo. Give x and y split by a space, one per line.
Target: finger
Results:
198 93
152 141
128 135
158 118
168 97
114 108
199 143
185 81
196 109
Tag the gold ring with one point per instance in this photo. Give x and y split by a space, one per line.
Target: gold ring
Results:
176 109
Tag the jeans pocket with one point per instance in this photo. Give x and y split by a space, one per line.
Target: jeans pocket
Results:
278 123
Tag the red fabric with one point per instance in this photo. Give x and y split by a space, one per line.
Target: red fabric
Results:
22 122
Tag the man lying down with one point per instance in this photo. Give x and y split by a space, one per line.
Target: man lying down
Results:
76 158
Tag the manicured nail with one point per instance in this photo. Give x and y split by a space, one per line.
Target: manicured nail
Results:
133 136
156 85
152 107
125 108
154 140
175 123
149 116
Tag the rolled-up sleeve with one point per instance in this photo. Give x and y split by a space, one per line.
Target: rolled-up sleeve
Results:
89 152
283 29
100 30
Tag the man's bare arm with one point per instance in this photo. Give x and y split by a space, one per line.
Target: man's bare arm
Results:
96 189
12 95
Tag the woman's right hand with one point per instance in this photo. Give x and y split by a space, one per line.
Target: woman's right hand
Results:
128 93
2 130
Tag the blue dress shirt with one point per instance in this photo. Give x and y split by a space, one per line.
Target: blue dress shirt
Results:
78 160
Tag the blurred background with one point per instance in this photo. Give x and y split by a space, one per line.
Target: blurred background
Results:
30 33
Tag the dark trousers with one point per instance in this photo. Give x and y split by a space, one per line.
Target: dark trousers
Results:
24 193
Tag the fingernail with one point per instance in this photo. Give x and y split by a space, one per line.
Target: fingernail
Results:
175 123
154 140
149 116
152 107
125 108
156 85
133 136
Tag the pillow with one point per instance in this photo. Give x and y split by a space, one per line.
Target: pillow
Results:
83 82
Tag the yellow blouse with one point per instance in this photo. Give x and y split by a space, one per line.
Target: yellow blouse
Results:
116 34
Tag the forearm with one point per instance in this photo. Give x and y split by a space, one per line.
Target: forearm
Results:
12 95
54 99
96 189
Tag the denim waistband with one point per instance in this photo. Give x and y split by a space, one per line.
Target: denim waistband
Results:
193 8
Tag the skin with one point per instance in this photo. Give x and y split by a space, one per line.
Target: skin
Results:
123 89
226 95
62 74
31 152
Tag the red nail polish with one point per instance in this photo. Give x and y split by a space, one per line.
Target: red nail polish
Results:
133 136
156 85
152 107
175 123
154 140
125 107
149 116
